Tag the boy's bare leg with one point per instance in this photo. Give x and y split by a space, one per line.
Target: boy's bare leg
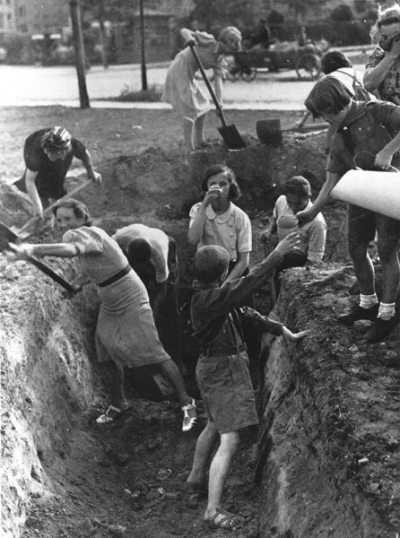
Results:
219 468
205 444
173 374
188 134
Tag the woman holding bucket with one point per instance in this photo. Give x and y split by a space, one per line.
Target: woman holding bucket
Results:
182 90
362 128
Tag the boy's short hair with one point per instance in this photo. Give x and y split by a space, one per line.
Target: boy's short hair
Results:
210 263
139 251
333 60
328 95
234 190
298 186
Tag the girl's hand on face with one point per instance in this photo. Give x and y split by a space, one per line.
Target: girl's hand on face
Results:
212 194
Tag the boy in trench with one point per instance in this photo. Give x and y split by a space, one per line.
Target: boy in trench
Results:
366 135
223 368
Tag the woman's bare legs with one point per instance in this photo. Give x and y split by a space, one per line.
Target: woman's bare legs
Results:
188 134
198 130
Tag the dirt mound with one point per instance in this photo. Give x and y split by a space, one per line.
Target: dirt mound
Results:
337 406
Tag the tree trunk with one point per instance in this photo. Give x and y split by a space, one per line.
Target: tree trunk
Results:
144 73
79 52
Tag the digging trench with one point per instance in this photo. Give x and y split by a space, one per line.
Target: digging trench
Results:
325 462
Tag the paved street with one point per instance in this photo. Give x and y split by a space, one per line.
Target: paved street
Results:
34 86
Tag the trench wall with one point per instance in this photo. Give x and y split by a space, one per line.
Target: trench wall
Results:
46 349
323 447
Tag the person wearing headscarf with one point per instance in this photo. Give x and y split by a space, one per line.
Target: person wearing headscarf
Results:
182 90
48 154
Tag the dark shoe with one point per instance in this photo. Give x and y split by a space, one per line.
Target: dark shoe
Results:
380 329
357 313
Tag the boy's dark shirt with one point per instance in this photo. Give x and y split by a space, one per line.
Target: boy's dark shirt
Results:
212 307
371 126
51 175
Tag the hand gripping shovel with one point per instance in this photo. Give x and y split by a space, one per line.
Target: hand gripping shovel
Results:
229 133
7 236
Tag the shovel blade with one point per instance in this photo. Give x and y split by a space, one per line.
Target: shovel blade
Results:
232 137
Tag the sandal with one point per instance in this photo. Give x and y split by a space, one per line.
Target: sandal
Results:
111 414
227 522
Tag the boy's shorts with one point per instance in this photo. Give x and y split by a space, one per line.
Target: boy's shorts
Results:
363 224
227 392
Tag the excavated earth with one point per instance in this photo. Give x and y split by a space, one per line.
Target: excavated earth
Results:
325 461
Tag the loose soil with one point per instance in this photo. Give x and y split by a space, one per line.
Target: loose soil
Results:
326 459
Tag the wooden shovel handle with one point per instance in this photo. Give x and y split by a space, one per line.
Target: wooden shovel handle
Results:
192 45
49 208
52 274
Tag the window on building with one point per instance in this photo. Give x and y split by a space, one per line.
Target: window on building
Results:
21 11
1 20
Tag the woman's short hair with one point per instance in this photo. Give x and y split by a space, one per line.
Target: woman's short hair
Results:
334 60
79 209
210 263
234 190
298 186
328 95
387 15
229 31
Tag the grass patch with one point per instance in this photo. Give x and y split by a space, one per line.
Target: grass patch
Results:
151 95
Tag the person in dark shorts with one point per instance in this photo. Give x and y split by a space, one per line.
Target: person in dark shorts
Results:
223 368
366 135
48 155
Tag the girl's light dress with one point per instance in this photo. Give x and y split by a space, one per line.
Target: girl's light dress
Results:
181 88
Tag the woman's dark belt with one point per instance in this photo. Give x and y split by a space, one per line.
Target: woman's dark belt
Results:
115 277
223 352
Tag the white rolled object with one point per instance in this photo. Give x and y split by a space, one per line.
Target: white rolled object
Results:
377 191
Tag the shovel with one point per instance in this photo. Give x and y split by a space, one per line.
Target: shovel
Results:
7 236
23 232
229 133
270 131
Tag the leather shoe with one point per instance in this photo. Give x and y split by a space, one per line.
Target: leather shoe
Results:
357 313
380 329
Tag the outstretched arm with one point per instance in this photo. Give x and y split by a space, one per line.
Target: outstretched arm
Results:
59 250
92 174
30 178
322 199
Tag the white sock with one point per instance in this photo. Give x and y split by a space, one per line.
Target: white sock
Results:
367 301
386 310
